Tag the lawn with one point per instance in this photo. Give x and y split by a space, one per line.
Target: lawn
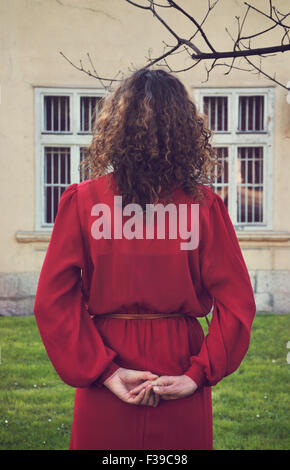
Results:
251 407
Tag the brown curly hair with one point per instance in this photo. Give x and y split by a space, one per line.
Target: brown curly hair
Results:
148 131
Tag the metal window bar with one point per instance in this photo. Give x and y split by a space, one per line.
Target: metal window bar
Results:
83 123
90 113
45 115
262 114
56 114
251 114
221 183
216 109
250 185
223 116
66 114
56 178
52 114
88 107
84 174
208 101
216 114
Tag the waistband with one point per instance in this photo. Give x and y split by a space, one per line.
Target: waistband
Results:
137 316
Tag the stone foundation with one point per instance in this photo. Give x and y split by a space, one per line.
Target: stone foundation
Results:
17 293
271 288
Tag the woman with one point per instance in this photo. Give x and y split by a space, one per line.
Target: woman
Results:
118 314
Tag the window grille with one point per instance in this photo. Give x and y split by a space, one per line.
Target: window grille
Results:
242 123
88 112
64 123
250 184
56 114
217 110
56 178
251 113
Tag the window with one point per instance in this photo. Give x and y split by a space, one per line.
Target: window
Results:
56 114
64 122
242 122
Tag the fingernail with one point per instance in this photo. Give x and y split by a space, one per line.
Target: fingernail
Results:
155 388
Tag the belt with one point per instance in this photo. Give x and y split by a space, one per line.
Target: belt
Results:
137 316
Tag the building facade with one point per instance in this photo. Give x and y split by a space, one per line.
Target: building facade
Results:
47 109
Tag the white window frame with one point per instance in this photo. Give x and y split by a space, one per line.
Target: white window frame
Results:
233 139
73 139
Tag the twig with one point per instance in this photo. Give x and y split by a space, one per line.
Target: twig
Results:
242 45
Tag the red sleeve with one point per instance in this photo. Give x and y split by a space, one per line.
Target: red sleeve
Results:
70 337
225 276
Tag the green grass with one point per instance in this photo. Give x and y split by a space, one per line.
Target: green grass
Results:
251 407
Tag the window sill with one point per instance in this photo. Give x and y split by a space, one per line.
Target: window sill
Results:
264 236
23 236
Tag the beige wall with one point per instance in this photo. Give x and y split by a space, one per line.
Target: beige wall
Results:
32 32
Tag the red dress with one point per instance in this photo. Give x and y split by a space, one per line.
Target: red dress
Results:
82 275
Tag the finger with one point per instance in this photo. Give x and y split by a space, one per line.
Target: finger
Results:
142 375
137 400
146 396
152 399
164 380
140 387
165 390
156 399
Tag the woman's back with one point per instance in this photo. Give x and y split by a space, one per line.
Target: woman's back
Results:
119 294
150 273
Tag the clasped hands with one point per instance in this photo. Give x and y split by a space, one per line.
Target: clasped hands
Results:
144 388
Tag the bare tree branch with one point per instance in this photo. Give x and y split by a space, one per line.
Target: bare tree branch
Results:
242 53
177 7
242 42
258 70
138 6
270 17
93 75
163 56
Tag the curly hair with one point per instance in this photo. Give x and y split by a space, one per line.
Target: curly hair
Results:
149 133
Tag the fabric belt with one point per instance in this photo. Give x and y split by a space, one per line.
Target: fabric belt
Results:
137 316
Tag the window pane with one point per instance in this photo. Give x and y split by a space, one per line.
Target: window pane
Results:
251 113
250 184
216 109
89 109
84 173
56 114
221 184
56 178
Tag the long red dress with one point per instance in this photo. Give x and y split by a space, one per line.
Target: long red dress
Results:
82 275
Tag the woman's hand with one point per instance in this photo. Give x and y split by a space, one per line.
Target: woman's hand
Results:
171 387
122 381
